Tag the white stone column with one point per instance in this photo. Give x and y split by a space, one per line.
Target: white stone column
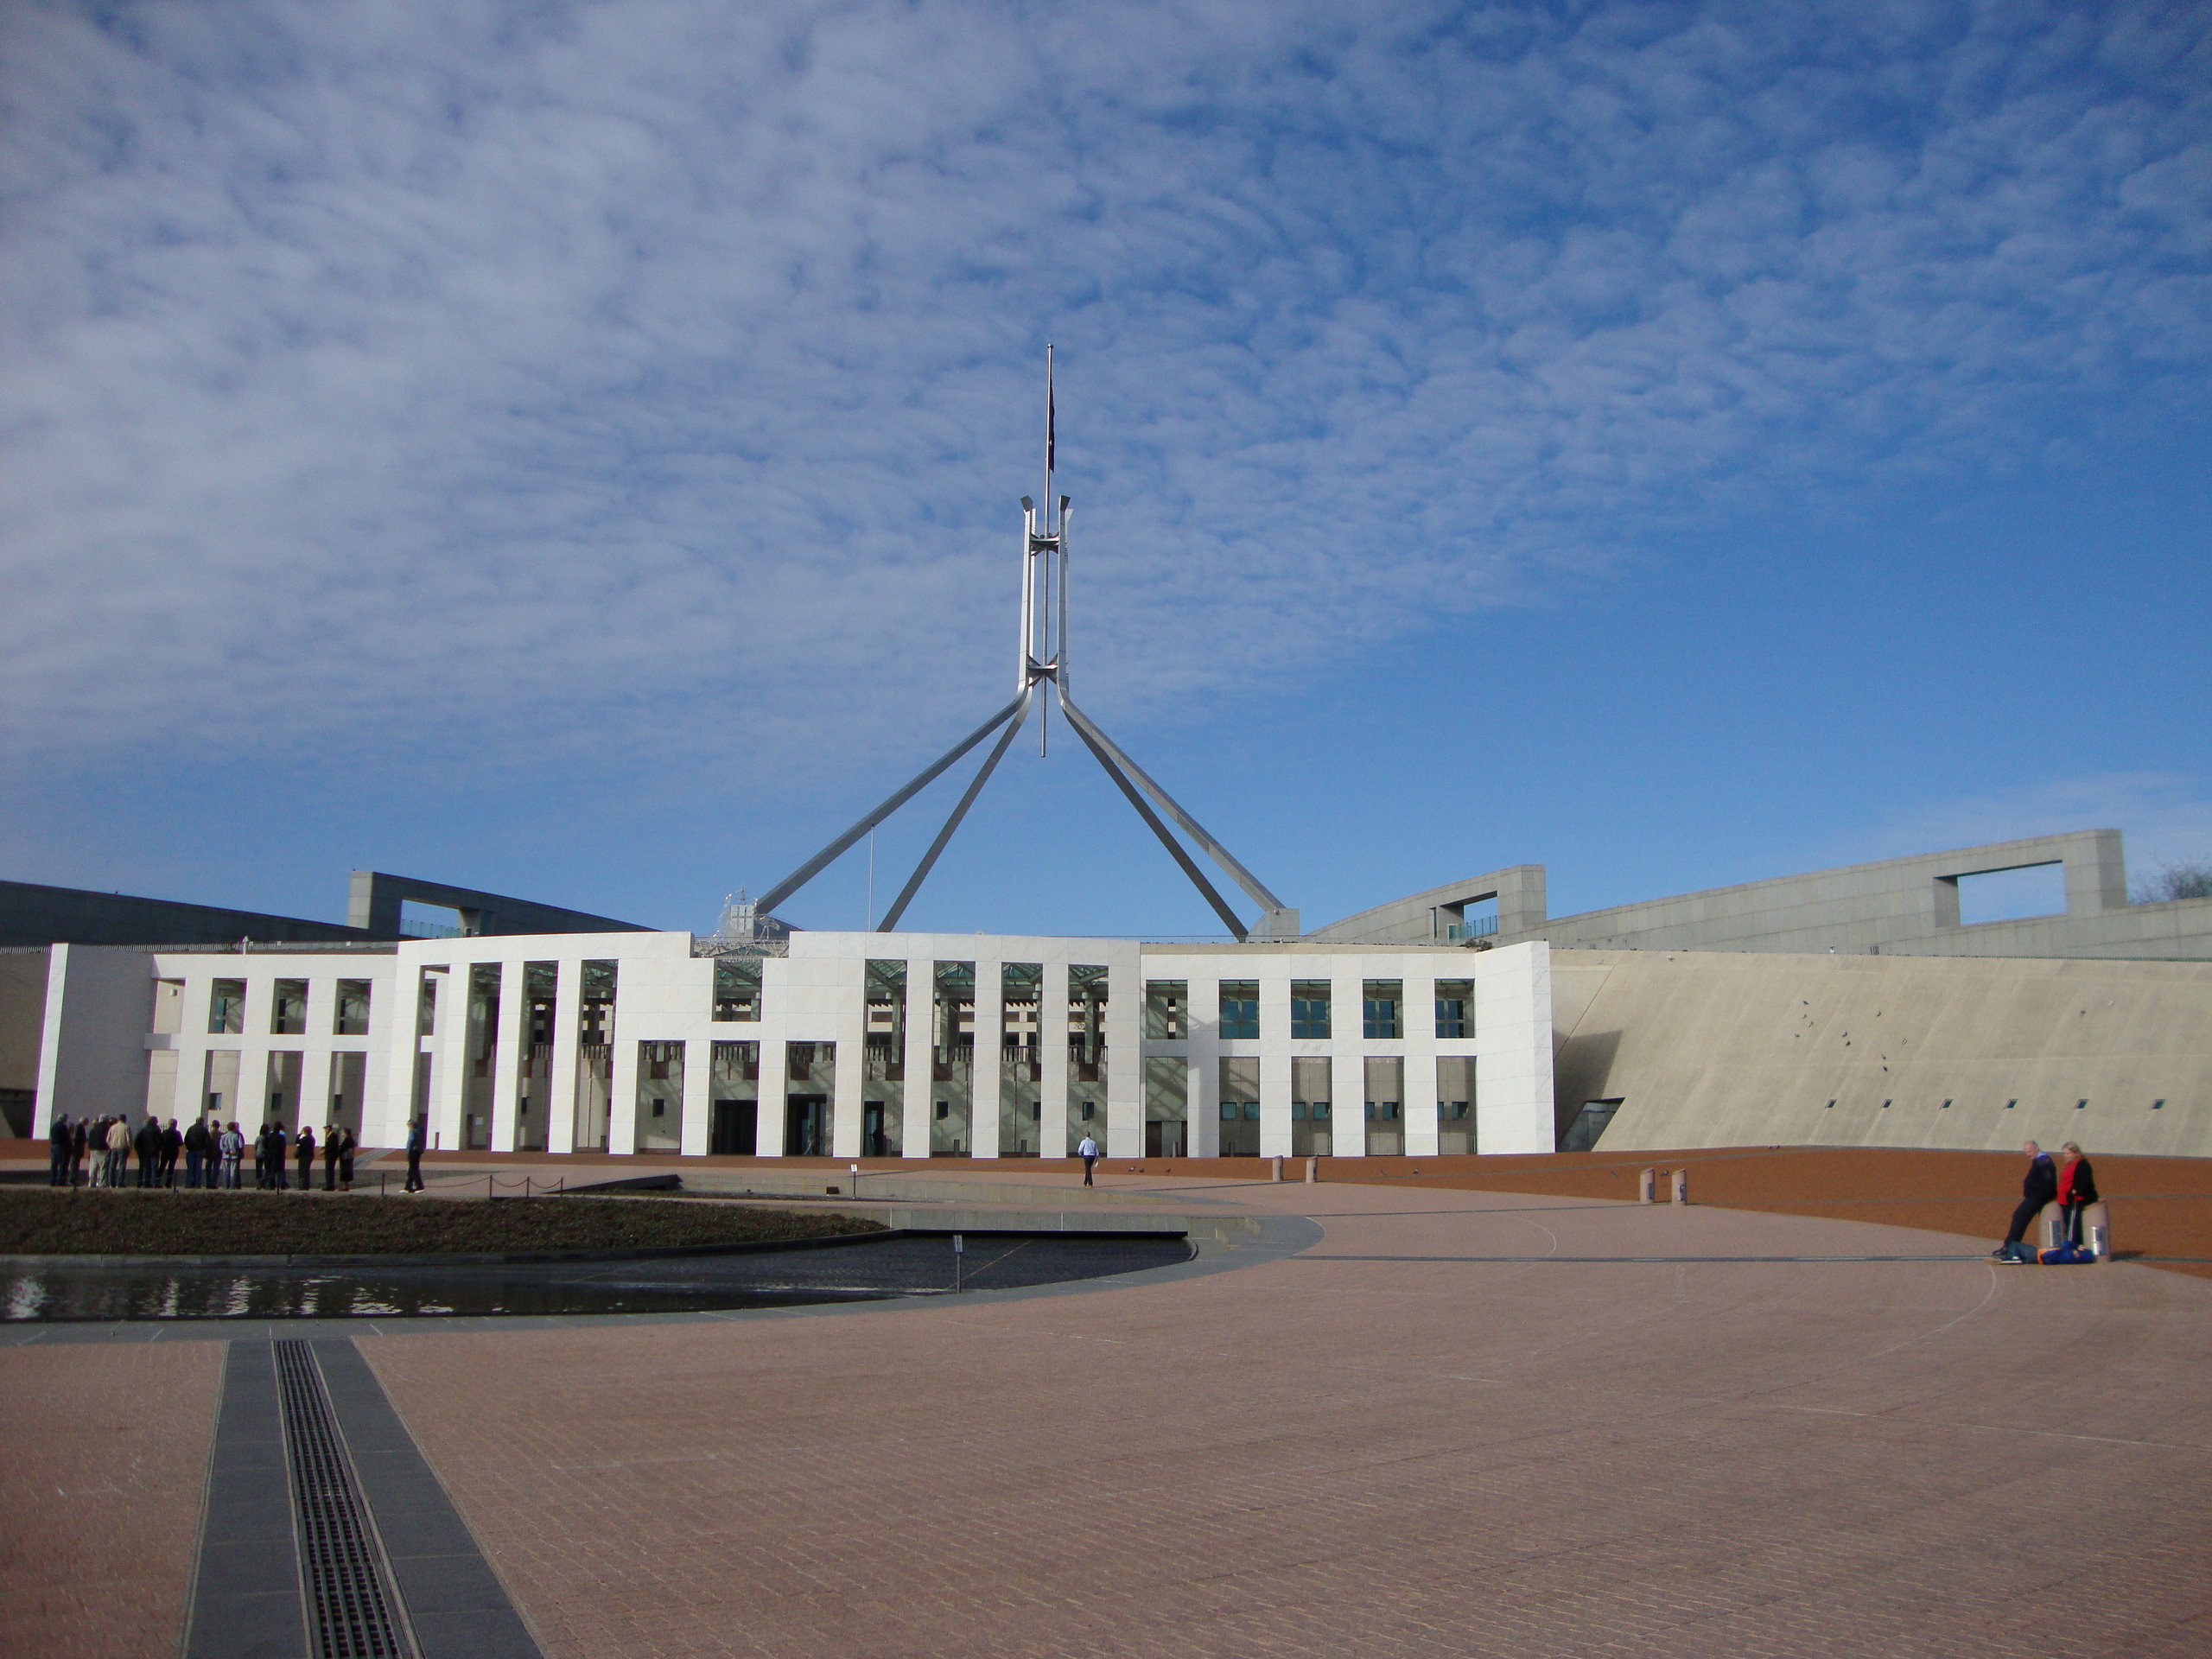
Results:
1123 1134
1347 1063
848 1081
1417 1020
990 1015
560 1083
450 1067
1275 1060
1052 1039
919 1094
507 1056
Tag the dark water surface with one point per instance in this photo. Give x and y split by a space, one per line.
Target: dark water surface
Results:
56 1290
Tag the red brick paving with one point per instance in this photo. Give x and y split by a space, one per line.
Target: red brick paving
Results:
103 1459
1324 1457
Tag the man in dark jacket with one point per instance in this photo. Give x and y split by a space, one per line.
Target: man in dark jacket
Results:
417 1133
198 1143
2039 1188
172 1144
147 1144
61 1139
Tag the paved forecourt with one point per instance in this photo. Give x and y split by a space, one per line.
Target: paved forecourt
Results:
1459 1422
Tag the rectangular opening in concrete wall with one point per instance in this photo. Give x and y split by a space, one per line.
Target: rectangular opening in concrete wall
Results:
1455 1104
1167 1106
1240 1107
2012 895
421 921
288 1008
1590 1123
1386 1093
1311 1106
1088 989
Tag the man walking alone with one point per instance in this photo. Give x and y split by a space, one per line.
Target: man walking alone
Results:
1089 1152
417 1133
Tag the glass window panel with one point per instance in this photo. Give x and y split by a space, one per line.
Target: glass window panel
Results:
1379 1010
1166 1001
227 1006
288 1008
350 1018
1309 1008
1239 1010
1455 1007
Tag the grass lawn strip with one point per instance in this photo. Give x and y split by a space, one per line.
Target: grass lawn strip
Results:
128 1222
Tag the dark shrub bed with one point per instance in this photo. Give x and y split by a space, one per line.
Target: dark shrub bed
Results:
127 1222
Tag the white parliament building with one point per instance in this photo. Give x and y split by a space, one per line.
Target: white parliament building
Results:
827 1044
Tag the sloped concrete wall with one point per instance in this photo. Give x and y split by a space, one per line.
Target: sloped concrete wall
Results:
1712 1049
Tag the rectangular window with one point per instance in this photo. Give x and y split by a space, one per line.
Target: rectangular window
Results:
1239 1010
884 1050
1310 1128
1021 1065
227 1006
1240 1108
1385 1089
733 1090
169 1005
1309 1008
1166 1106
660 1098
1087 991
737 987
426 1002
1455 1104
288 1008
593 1105
1381 999
952 1047
1455 1007
352 1018
1165 1003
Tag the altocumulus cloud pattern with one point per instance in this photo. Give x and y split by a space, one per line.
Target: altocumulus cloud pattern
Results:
589 364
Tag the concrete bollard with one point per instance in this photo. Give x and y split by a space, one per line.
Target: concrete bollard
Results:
1312 1169
1682 1186
1278 1175
1644 1184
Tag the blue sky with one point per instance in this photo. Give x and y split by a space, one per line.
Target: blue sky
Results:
572 449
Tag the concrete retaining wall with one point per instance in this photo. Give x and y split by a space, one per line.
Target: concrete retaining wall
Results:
1714 1049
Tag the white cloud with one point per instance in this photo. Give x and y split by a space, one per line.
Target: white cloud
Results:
387 377
2166 816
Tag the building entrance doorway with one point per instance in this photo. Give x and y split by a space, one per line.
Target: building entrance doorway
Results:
875 1137
1163 1139
736 1128
806 1124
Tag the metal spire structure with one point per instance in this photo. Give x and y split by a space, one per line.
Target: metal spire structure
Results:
1043 661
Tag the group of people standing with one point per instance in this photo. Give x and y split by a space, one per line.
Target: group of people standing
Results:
211 1154
2071 1185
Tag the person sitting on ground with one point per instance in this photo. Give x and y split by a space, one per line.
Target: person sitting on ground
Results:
2037 1189
306 1155
2077 1190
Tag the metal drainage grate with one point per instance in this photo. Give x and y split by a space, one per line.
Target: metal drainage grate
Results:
348 1602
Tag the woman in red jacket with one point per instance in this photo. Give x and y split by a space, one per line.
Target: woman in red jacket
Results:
2077 1190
